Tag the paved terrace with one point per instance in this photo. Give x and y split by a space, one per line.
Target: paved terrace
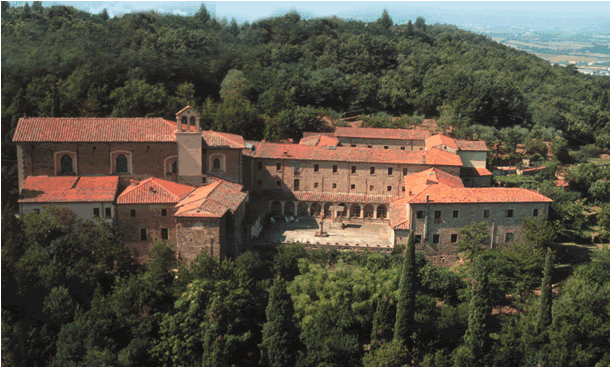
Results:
358 234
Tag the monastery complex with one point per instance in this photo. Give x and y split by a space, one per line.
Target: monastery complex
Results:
160 180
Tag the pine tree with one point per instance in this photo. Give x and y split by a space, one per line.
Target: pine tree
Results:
385 21
545 311
203 14
234 28
381 322
405 308
420 24
279 332
475 336
410 28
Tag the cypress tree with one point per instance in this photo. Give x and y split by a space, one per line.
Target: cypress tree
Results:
214 353
280 339
405 308
381 322
545 310
475 336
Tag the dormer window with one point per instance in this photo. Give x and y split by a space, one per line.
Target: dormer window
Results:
66 164
122 165
192 121
184 120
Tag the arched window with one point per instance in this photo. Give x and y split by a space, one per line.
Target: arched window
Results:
216 163
192 120
66 164
175 167
184 120
121 164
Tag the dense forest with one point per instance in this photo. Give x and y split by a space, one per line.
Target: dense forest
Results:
72 294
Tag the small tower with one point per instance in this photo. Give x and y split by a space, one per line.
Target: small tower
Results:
190 146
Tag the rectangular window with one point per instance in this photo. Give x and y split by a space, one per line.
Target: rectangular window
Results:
385 147
108 213
315 185
353 145
143 234
96 212
164 212
456 213
404 171
297 183
297 169
204 180
389 188
454 238
353 169
335 168
278 166
417 238
372 170
509 237
509 213
334 186
485 213
390 171
436 238
260 182
403 189
164 234
371 188
419 214
437 216
370 146
535 213
353 187
133 213
316 167
260 165
402 148
278 183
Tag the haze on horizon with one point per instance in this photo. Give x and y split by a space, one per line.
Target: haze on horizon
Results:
569 16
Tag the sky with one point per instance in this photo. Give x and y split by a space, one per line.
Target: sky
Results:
539 15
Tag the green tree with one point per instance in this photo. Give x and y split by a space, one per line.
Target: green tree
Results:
391 354
545 307
405 307
235 85
382 325
280 340
203 16
475 337
138 98
420 24
234 28
472 238
385 21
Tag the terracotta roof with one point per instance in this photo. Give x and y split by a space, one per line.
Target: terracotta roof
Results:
186 108
432 176
335 197
478 145
349 154
211 201
439 139
443 194
319 140
218 139
561 183
474 172
398 214
154 190
94 129
378 133
43 189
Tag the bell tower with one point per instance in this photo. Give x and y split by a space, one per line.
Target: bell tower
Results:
188 137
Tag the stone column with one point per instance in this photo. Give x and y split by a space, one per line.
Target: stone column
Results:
282 205
296 208
375 211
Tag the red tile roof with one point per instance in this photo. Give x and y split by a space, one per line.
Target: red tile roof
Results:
336 197
398 214
348 154
378 133
432 176
98 130
43 189
443 194
439 139
561 183
218 139
478 146
319 140
154 190
186 108
474 172
211 201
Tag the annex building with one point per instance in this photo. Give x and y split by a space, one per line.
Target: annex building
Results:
161 180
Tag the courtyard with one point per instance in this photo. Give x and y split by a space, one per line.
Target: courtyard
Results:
357 233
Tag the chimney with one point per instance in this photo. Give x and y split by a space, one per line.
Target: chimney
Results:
423 159
427 199
286 152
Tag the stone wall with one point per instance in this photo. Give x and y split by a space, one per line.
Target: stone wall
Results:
406 144
194 235
231 163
